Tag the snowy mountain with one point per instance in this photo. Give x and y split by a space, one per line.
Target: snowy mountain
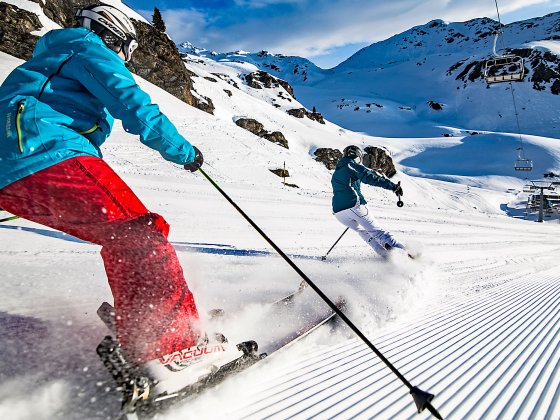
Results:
474 319
389 87
295 70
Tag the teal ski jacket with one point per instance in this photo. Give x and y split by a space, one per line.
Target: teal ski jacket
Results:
60 104
346 181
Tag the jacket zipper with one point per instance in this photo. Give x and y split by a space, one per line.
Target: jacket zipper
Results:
20 109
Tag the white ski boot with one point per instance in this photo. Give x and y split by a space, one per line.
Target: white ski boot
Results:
180 369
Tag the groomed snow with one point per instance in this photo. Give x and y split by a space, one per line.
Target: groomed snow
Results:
473 320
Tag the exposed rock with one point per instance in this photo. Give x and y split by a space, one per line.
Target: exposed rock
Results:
297 112
282 173
302 112
158 61
555 88
261 79
204 103
329 157
257 129
377 158
278 138
62 11
228 92
290 185
15 27
436 106
251 125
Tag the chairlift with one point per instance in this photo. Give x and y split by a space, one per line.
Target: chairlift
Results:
522 163
504 68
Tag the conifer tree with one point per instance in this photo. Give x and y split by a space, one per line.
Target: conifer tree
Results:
157 20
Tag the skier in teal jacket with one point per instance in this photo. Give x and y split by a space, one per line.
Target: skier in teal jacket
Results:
58 109
349 205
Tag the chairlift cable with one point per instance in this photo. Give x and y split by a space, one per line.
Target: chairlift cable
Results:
510 83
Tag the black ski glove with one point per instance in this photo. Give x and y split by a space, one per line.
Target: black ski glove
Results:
397 189
197 162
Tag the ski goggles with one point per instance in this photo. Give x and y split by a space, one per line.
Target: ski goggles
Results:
129 46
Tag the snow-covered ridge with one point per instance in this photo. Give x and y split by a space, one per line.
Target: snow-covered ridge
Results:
474 37
296 70
386 88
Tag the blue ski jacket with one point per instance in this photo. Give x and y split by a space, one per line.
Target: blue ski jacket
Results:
346 181
60 104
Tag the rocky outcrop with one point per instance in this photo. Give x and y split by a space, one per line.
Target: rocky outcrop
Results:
62 11
377 158
156 59
257 129
302 112
327 156
282 173
546 71
16 26
251 125
261 79
276 137
436 106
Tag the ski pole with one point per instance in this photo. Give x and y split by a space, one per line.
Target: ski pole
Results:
324 257
7 219
421 398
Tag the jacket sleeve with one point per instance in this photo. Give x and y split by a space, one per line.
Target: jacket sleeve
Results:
370 178
104 74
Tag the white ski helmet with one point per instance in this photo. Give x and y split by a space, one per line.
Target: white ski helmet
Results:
352 152
112 25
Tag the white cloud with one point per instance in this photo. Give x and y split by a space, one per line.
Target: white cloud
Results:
184 24
316 26
263 3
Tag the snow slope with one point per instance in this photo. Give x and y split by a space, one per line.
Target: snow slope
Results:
384 89
473 320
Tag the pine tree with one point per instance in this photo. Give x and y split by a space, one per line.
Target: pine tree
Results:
157 20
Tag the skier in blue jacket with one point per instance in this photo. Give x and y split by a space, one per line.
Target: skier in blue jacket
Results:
349 205
58 109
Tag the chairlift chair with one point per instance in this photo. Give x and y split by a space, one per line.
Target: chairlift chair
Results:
522 163
503 68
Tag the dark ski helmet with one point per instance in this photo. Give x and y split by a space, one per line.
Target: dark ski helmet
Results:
352 152
113 27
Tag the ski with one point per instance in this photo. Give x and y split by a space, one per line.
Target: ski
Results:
7 219
289 298
138 399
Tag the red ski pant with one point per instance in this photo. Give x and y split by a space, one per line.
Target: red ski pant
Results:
155 311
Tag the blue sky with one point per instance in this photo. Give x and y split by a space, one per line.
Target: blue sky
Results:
324 31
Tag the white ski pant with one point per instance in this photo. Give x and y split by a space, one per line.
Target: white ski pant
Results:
358 219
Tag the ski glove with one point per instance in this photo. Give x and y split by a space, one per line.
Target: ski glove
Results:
397 189
197 162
